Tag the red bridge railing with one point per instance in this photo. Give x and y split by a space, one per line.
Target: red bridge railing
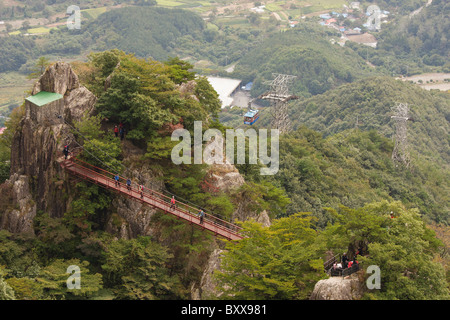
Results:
153 198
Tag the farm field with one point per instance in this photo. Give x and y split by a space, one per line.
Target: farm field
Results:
13 87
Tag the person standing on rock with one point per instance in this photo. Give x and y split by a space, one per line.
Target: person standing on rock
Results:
344 260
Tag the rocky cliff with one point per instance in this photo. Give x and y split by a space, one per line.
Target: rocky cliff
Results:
37 179
38 183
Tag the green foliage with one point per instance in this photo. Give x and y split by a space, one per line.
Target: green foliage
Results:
17 255
160 148
371 101
25 288
402 247
279 262
353 168
262 196
14 52
145 31
189 246
180 70
54 280
4 171
143 96
105 62
208 97
418 41
306 53
6 138
6 292
101 149
54 237
39 68
136 269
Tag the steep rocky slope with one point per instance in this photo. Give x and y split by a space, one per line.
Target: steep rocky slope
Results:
38 180
39 184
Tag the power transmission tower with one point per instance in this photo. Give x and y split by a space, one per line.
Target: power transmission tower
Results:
400 154
279 97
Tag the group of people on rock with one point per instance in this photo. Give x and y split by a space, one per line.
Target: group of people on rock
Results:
345 262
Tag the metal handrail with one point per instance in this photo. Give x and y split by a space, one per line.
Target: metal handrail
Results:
214 222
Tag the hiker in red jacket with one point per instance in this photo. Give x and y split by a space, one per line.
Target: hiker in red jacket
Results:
172 201
116 131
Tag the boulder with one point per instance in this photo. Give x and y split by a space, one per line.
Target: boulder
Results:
339 288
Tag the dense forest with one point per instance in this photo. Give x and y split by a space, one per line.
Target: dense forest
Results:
148 32
307 53
414 44
353 122
368 104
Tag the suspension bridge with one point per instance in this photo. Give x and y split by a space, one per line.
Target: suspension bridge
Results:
150 197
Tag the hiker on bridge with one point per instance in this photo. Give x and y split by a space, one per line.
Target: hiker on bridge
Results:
141 189
66 151
129 184
201 214
172 201
117 180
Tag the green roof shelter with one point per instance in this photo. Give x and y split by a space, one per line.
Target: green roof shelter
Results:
43 107
42 98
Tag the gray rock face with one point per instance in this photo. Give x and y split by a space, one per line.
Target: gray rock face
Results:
38 144
58 78
225 177
78 102
20 219
132 218
207 287
338 288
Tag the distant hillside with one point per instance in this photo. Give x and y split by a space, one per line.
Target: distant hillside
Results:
145 31
306 52
413 43
352 168
369 102
424 35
